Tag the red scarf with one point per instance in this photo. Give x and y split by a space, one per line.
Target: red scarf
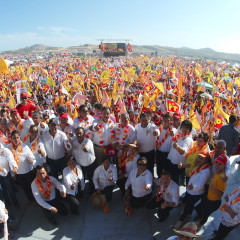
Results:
158 142
198 169
5 139
179 135
235 200
160 193
45 191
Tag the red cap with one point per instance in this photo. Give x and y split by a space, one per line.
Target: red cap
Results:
63 115
23 94
177 115
14 111
204 154
221 159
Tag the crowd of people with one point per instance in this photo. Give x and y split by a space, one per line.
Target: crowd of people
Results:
65 120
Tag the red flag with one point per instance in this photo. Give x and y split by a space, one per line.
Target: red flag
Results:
219 122
129 47
172 106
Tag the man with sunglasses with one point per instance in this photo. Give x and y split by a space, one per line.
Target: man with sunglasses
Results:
25 106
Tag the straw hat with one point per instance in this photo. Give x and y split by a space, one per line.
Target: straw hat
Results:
97 199
189 230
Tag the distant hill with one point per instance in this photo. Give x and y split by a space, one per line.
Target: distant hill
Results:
203 53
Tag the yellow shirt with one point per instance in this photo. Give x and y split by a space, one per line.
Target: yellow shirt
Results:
191 159
218 183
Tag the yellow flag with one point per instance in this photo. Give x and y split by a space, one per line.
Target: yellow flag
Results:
159 85
12 102
180 88
74 113
3 65
195 122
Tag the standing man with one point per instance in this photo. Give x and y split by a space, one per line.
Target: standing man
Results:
56 143
25 106
229 133
83 152
38 121
146 135
103 134
164 143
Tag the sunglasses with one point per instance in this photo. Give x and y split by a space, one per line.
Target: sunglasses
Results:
142 164
23 98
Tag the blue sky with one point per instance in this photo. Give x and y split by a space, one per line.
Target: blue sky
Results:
174 23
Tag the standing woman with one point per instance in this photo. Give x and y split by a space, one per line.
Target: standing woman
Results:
25 161
74 183
140 180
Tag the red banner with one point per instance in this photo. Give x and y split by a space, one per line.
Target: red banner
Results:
172 106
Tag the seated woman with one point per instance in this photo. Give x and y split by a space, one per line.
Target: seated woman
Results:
74 183
196 185
104 178
126 162
140 180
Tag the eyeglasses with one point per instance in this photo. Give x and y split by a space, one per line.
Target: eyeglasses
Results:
142 164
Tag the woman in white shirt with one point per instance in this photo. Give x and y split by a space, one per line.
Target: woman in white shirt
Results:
104 178
25 161
196 185
74 183
140 180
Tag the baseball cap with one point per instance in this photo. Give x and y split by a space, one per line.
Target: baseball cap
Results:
53 121
61 109
14 111
204 154
221 159
177 115
23 94
63 115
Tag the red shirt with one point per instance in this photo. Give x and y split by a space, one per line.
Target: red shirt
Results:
28 107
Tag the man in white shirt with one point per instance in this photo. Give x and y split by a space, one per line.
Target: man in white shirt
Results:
65 127
37 119
103 134
104 178
44 191
84 119
124 132
83 152
181 143
166 198
56 143
164 143
146 135
7 164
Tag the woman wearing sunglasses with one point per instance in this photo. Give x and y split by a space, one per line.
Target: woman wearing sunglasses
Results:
140 180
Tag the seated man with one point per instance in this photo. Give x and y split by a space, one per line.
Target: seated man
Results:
44 191
166 198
